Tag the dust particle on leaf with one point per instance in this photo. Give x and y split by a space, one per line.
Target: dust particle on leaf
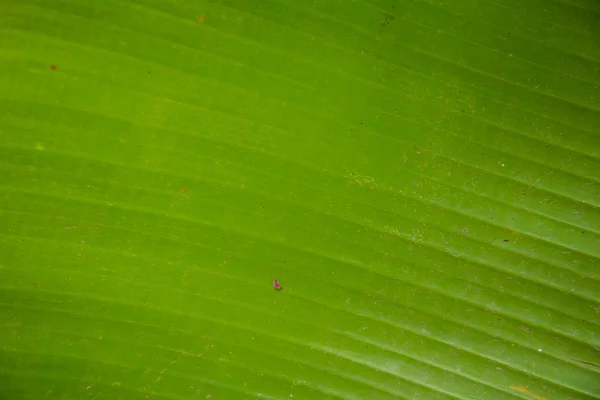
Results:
201 19
277 285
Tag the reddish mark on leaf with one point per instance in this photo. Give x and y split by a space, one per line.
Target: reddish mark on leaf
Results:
201 19
524 390
53 67
182 194
277 285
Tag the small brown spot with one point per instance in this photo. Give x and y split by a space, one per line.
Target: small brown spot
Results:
277 285
37 284
505 240
524 328
53 67
201 19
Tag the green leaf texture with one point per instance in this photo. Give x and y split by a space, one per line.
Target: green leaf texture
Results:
420 176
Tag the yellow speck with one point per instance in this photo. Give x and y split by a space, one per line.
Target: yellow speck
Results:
39 146
116 384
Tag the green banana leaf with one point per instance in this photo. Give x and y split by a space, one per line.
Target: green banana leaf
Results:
289 199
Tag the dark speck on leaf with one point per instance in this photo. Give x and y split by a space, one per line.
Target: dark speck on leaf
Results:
505 240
